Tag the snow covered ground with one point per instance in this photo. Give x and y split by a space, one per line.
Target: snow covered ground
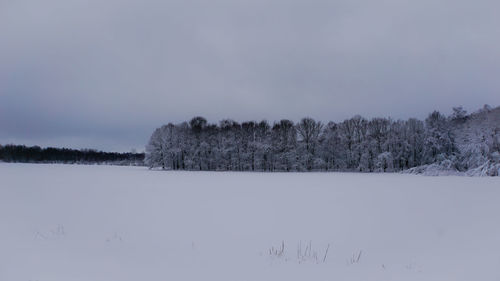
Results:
105 223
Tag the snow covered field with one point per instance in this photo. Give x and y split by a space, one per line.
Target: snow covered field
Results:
105 223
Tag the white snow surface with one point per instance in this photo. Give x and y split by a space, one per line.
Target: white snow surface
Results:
106 223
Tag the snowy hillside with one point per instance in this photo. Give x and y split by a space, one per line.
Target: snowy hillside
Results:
104 223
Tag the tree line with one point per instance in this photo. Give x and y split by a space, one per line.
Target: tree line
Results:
356 144
36 154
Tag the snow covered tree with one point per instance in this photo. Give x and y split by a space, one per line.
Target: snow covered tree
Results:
385 162
309 132
284 141
438 138
333 148
355 144
160 151
459 114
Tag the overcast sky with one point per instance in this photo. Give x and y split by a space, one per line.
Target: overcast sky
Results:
104 73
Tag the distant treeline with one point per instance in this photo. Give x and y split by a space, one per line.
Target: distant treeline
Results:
356 144
36 154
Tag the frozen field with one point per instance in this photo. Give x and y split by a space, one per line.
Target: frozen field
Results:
104 223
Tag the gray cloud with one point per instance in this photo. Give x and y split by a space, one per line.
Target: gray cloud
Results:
104 74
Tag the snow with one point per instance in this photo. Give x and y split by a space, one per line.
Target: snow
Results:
106 223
